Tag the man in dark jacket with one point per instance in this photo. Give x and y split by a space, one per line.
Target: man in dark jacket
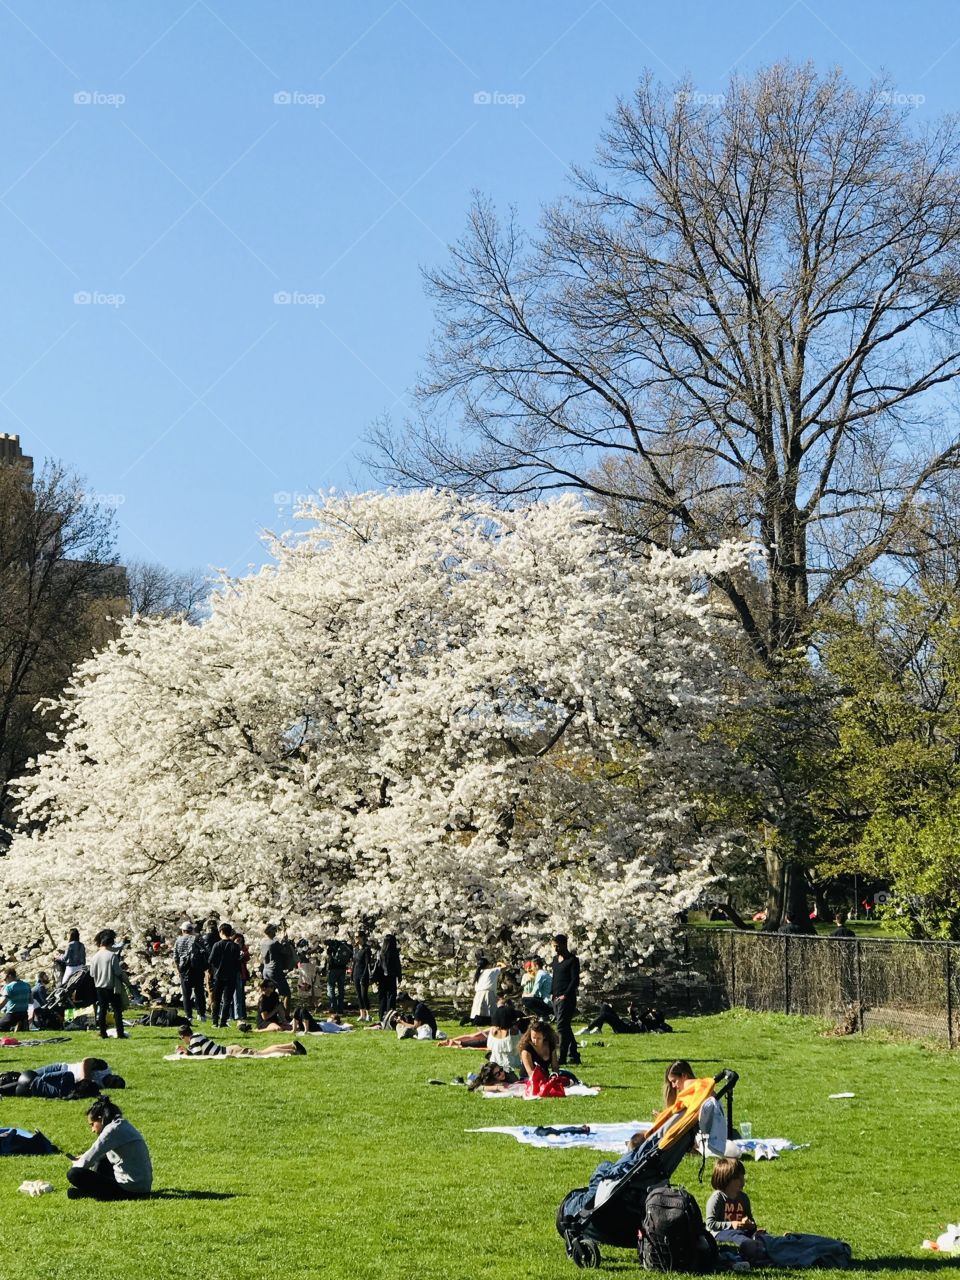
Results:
566 984
190 958
225 961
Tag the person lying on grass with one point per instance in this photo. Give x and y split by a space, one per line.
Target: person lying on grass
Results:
303 1020
271 1015
117 1166
27 1084
66 1080
199 1046
635 1023
506 1021
729 1217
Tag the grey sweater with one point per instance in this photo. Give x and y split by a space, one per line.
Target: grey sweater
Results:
721 1211
123 1145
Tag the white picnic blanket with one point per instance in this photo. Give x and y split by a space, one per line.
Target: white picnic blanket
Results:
517 1091
219 1057
600 1137
758 1148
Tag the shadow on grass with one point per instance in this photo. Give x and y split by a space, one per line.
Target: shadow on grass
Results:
900 1262
181 1193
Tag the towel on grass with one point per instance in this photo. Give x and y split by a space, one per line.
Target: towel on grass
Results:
221 1057
11 1042
517 1091
599 1137
758 1148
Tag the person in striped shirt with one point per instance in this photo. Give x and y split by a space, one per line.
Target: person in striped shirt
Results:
197 1045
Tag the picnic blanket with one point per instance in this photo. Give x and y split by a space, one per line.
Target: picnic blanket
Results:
220 1057
758 1148
595 1137
11 1042
517 1091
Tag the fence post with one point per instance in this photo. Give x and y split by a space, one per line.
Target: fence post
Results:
786 972
733 969
858 981
948 978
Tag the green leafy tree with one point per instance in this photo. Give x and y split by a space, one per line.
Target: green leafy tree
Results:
896 660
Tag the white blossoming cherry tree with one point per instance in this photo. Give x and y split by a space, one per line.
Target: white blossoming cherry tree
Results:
466 725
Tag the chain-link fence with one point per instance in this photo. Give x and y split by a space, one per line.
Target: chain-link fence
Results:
912 987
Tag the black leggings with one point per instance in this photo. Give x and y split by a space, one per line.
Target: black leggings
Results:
100 1183
387 987
363 992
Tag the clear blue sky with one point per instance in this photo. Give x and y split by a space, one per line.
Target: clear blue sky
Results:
144 155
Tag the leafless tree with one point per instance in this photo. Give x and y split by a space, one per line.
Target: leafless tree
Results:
744 321
156 591
60 585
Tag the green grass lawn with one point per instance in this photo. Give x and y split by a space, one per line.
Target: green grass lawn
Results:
347 1163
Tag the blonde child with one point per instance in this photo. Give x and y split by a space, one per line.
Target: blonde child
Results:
729 1216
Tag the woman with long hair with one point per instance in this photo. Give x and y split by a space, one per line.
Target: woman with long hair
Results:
389 973
674 1078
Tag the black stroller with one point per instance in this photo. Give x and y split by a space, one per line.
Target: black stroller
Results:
76 993
585 1225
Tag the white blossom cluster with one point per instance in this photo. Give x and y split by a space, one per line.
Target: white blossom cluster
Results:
465 725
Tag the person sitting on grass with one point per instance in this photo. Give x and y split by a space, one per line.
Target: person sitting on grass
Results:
504 1038
117 1166
417 1021
16 1009
200 1046
536 988
729 1217
271 1015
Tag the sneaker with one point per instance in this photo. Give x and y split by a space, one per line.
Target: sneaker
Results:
298 1047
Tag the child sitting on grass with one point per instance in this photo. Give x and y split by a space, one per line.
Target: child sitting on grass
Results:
729 1217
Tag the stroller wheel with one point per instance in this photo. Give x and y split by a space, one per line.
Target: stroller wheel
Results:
583 1253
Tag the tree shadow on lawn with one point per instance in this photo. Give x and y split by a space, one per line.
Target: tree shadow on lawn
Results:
181 1193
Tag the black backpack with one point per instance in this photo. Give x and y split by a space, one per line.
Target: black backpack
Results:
673 1237
339 954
